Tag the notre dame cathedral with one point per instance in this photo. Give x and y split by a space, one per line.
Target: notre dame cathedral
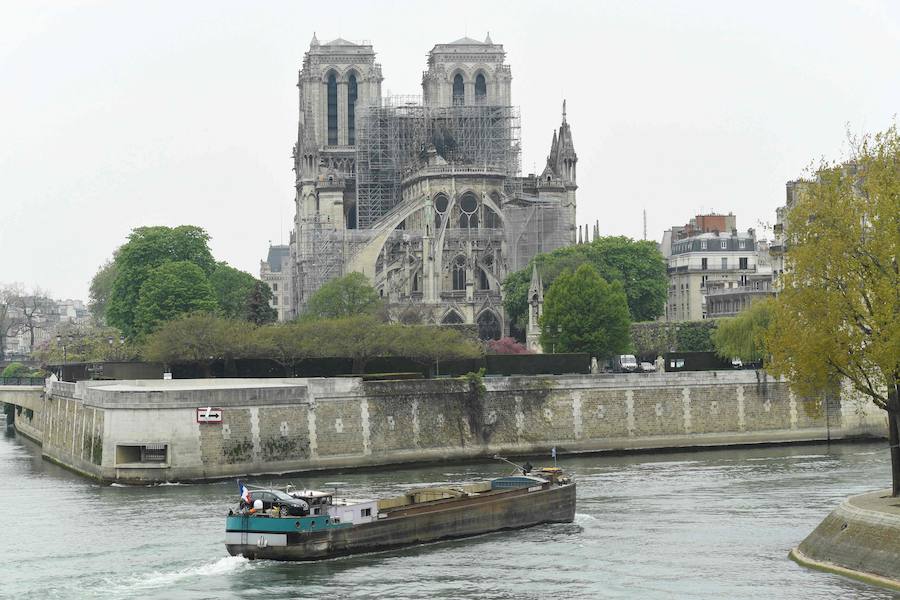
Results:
422 194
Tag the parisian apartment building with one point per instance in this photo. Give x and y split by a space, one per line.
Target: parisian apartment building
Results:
714 269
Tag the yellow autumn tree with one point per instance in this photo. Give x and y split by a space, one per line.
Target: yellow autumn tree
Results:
837 317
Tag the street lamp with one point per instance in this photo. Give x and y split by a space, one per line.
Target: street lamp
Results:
61 340
113 350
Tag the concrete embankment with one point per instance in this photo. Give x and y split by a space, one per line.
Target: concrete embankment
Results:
859 539
151 430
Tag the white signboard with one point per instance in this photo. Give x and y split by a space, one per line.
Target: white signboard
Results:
209 415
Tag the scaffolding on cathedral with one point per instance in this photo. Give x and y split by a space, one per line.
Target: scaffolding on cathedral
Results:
401 136
320 256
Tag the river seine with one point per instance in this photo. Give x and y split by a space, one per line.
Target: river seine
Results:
706 524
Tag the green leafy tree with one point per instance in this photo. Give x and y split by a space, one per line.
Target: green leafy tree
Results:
101 289
430 343
171 290
744 336
258 309
146 249
584 313
202 338
360 338
347 296
15 370
288 343
837 315
233 288
638 265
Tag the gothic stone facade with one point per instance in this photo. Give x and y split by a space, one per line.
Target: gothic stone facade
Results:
422 195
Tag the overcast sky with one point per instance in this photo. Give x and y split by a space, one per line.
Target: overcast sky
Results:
115 115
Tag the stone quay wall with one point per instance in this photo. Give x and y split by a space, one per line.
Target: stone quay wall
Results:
148 430
859 539
26 402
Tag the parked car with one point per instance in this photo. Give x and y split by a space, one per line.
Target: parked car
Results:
286 505
648 367
625 363
736 363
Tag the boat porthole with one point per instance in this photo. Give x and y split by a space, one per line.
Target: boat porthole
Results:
297 524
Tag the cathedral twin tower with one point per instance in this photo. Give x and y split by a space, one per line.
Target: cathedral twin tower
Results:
422 195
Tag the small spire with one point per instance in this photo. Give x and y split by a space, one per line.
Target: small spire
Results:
487 40
315 40
580 239
537 286
564 110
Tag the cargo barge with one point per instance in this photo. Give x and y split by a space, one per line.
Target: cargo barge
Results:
308 525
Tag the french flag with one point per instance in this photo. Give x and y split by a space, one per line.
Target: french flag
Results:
245 493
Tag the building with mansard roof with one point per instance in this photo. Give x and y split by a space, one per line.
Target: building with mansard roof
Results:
422 194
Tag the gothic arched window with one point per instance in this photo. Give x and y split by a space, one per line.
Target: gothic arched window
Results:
351 110
488 326
468 211
459 91
440 207
491 220
483 282
459 273
332 110
480 88
451 318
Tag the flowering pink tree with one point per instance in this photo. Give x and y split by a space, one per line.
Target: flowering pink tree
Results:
507 345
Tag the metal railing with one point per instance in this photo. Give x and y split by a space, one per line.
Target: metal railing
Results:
21 381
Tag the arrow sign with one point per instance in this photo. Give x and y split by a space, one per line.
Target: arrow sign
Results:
209 415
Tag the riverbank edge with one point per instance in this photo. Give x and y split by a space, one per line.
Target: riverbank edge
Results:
826 567
859 539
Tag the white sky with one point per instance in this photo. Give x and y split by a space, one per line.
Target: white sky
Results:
119 114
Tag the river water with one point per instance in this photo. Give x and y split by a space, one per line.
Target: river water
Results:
705 524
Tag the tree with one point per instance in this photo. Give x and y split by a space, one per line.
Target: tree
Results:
85 343
347 296
34 309
506 345
258 309
171 290
10 317
287 343
15 370
838 312
146 249
202 338
744 336
584 313
638 265
360 338
233 288
101 289
430 343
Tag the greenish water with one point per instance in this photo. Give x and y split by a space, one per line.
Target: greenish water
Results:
709 524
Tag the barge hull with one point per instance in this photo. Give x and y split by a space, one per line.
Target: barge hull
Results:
457 520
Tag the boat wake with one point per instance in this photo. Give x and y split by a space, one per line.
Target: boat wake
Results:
156 579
